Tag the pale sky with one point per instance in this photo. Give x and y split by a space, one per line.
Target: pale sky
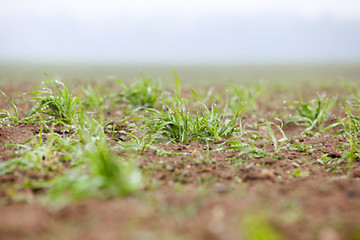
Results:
89 10
186 30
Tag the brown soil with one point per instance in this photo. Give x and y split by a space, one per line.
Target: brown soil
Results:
196 195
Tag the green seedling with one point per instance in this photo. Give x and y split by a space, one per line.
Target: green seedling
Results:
326 160
41 155
177 83
143 93
299 173
278 144
257 227
302 147
60 107
101 174
246 149
313 114
12 115
94 100
90 130
177 124
351 127
174 123
216 125
242 95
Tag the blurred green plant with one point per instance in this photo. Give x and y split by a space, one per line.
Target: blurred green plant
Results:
257 227
101 174
42 152
244 95
93 98
143 93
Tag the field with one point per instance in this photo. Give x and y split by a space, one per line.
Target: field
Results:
223 152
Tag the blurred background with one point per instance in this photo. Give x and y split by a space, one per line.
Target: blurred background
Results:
213 39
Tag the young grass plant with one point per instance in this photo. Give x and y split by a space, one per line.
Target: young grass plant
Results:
278 144
143 93
90 130
42 152
351 127
174 123
60 107
177 124
216 125
313 113
247 150
257 227
11 115
93 99
244 95
102 174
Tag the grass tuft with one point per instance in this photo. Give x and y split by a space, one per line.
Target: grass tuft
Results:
101 174
142 93
313 113
177 124
60 107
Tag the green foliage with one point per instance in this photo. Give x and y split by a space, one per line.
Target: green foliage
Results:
299 173
217 125
177 124
244 95
89 130
101 174
278 144
177 83
40 154
257 227
302 147
326 160
351 127
93 99
174 123
248 150
313 113
12 115
60 107
142 93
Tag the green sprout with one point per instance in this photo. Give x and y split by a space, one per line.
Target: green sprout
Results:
278 144
313 113
100 174
13 114
143 93
93 99
351 127
177 124
60 107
